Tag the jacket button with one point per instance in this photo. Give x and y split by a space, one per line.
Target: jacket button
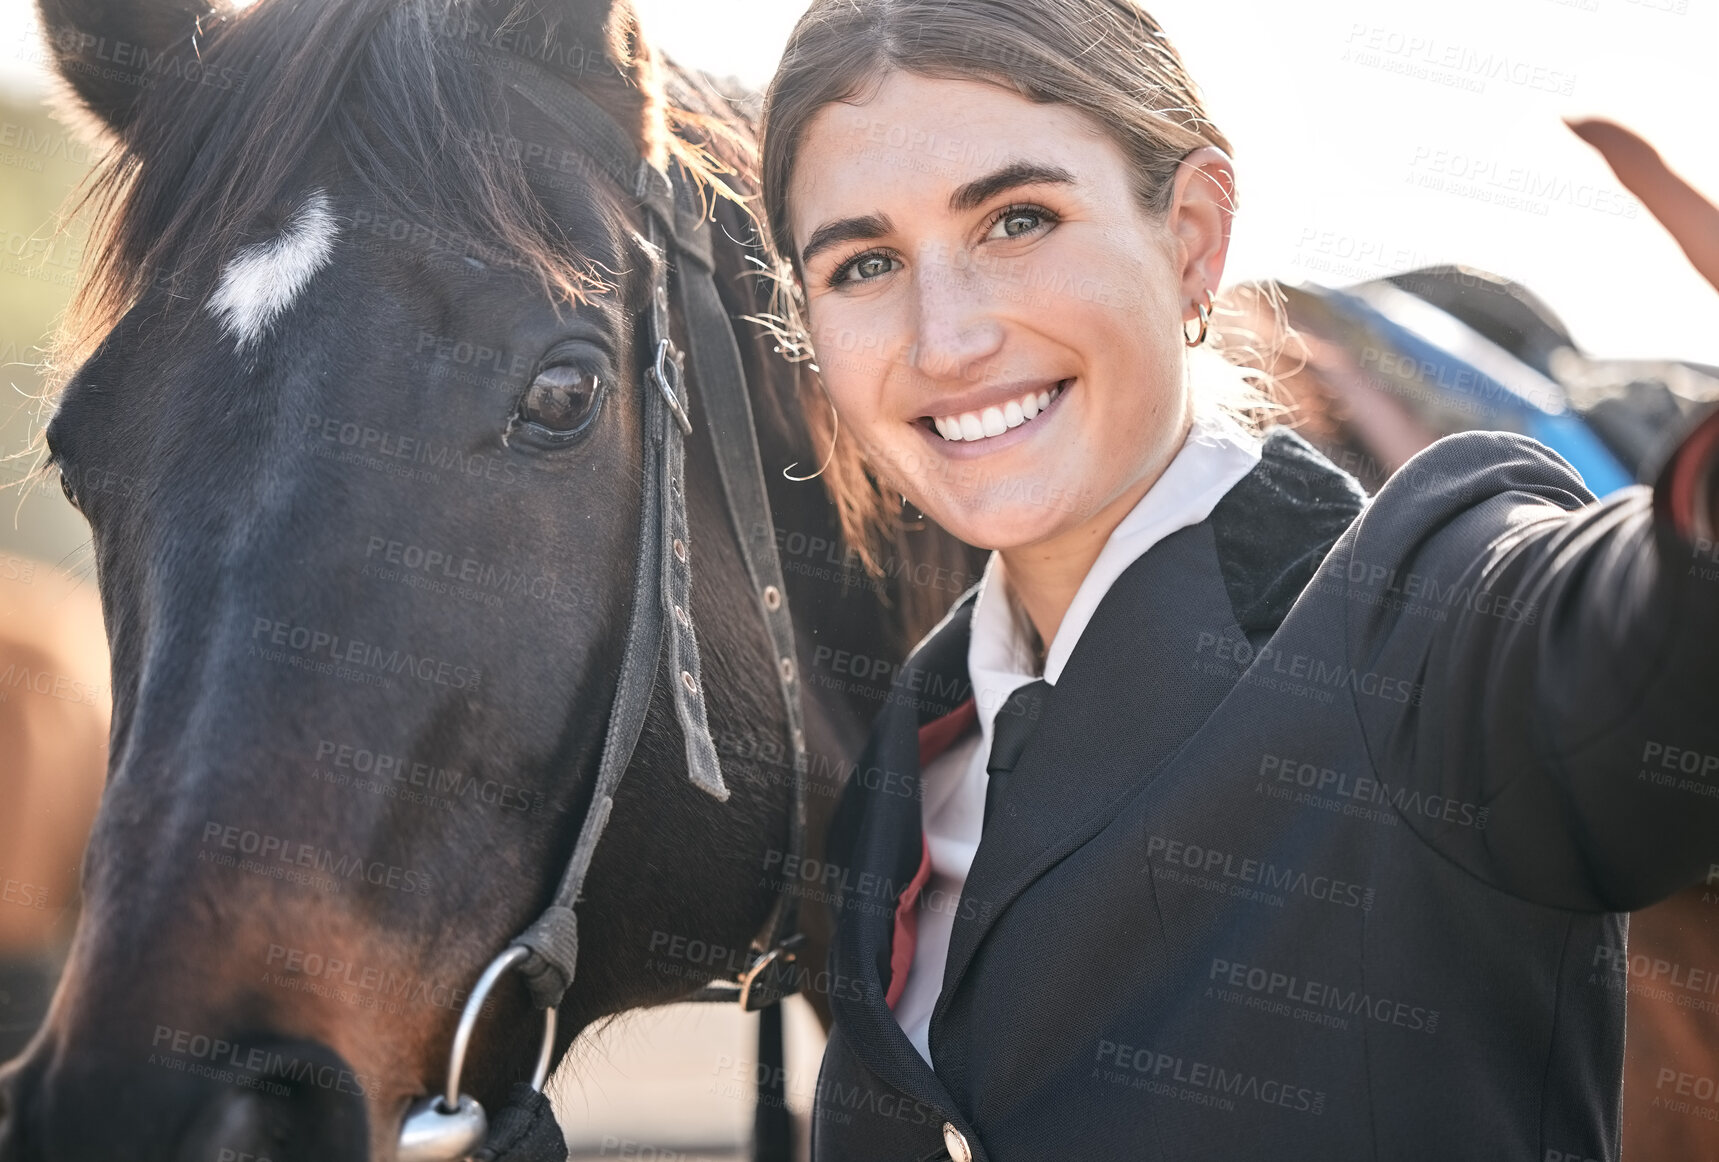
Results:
956 1144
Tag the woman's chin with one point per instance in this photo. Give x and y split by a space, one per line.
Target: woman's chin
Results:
1007 522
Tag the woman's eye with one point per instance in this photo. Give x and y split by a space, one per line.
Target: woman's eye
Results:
1014 223
562 399
866 266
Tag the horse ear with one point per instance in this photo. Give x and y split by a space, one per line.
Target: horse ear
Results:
600 46
592 39
108 52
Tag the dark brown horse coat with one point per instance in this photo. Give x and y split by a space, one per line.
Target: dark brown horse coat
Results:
1319 837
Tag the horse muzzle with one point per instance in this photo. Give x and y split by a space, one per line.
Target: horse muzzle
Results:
262 1100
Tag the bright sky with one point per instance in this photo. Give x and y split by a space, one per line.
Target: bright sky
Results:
1376 135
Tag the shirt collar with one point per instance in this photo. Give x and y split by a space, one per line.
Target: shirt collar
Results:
1216 454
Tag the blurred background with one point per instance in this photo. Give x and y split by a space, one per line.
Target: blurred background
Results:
1371 138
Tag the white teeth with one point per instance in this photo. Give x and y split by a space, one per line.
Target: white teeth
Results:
994 421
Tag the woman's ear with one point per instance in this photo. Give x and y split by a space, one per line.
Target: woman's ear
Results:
1202 210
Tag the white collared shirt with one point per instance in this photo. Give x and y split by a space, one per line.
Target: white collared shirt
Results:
1215 456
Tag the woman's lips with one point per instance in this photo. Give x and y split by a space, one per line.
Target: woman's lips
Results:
993 428
994 421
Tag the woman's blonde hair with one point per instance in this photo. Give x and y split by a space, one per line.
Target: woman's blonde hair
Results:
1106 58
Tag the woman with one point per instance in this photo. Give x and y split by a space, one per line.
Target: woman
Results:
1230 815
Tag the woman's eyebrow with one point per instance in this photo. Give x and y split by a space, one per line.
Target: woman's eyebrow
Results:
845 230
1017 173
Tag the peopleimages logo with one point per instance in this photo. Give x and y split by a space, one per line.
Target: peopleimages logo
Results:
387 770
37 681
339 651
1414 592
1249 878
1679 767
1364 789
1269 989
1655 978
1272 668
175 1047
271 854
361 985
1201 1082
1685 1085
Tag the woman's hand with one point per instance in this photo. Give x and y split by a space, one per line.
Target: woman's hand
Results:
1693 222
1691 219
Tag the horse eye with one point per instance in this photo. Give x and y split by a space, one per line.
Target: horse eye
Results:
66 487
562 399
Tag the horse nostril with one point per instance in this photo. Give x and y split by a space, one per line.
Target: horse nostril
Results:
237 1124
294 1101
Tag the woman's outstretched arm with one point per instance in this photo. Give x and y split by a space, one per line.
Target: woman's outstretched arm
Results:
1549 662
1552 662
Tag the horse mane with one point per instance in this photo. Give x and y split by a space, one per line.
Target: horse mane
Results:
202 170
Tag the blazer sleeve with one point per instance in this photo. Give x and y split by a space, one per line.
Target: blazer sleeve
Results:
1544 665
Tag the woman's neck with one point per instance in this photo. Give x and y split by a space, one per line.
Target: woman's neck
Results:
1044 576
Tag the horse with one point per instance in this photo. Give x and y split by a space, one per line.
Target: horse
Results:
357 409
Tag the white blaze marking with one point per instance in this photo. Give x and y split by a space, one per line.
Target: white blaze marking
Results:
262 280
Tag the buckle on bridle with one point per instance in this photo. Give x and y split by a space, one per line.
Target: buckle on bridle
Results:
667 361
770 978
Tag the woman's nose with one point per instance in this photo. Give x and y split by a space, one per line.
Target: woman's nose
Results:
956 329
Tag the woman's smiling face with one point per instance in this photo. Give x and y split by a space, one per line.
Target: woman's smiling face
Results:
995 315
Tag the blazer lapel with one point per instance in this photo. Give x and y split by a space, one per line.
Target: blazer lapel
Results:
886 852
1135 688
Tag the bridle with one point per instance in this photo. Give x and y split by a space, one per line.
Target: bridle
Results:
453 1125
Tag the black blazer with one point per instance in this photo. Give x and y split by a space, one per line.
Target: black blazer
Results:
1323 837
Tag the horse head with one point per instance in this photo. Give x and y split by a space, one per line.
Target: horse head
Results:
360 430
